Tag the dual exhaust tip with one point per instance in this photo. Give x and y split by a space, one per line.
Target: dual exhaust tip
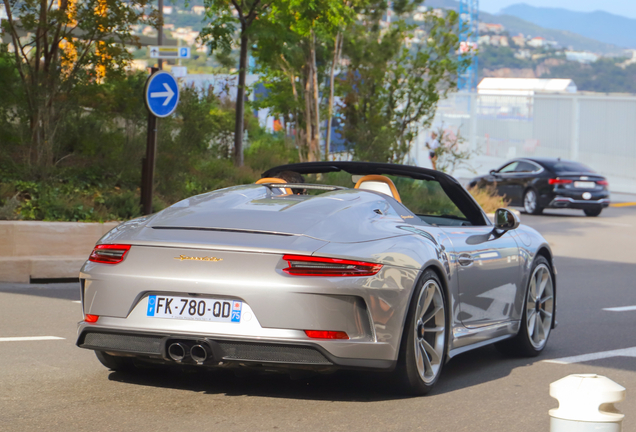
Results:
179 351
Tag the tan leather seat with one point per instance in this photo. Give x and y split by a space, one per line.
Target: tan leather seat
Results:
274 180
379 183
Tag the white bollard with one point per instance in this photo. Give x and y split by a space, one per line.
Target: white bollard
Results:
586 404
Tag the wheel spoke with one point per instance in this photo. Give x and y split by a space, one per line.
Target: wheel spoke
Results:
544 281
546 299
435 357
429 293
537 329
418 359
426 318
546 313
433 329
428 368
532 289
532 318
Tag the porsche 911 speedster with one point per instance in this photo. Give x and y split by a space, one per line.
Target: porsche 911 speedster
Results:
321 266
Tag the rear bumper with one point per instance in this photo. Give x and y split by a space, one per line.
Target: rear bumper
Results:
225 351
567 202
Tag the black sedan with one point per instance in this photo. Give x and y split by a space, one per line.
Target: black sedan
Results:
539 183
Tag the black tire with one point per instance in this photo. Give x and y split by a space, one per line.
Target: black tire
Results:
524 345
593 211
115 363
531 202
408 377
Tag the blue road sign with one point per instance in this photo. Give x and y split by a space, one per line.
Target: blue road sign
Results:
184 52
161 94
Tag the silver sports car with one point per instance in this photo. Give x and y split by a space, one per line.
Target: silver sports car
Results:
322 266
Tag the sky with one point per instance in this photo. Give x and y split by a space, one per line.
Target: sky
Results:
626 8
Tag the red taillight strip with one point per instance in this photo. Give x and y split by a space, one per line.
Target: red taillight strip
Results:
91 318
602 182
109 253
558 181
323 334
301 265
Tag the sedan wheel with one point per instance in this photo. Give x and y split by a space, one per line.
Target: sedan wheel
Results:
530 203
424 344
538 314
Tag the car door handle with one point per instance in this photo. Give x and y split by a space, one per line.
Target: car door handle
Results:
465 259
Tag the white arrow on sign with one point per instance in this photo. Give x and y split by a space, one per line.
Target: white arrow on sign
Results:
167 94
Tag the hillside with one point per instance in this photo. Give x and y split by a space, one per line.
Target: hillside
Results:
599 25
515 25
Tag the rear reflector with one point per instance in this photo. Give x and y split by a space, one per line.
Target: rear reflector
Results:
558 181
321 334
602 182
91 318
109 253
300 265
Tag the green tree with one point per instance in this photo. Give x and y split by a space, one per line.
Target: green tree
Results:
67 43
219 33
393 81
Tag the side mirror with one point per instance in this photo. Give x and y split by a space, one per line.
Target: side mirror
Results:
493 172
506 220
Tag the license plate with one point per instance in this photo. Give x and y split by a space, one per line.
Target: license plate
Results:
198 309
584 185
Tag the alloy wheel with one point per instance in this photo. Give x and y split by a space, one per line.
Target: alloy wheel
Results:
540 306
530 201
430 331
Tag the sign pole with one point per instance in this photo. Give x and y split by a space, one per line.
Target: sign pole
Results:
161 95
160 32
148 170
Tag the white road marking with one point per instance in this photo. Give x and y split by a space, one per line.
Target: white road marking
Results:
77 301
620 309
625 352
29 338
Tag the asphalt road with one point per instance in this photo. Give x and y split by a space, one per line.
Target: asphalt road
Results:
52 385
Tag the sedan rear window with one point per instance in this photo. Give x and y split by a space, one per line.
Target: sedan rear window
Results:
569 166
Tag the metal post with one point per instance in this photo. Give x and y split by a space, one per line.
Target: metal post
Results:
148 163
474 98
160 33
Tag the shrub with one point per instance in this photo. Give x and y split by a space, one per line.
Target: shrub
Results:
488 198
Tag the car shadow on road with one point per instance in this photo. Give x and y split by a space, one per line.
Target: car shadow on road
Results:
470 369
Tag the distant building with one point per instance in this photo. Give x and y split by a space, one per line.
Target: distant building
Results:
524 86
199 10
581 57
3 12
519 40
491 28
419 16
537 42
167 10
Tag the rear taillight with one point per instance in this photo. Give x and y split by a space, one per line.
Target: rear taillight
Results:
91 318
602 182
558 181
109 253
300 265
322 334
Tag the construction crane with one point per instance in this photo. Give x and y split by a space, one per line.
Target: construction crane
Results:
468 33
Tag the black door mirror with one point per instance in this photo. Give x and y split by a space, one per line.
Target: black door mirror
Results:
493 172
506 220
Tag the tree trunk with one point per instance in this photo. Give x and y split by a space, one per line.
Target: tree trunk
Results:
311 156
240 100
316 97
336 59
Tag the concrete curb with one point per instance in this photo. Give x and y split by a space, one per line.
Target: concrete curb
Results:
46 250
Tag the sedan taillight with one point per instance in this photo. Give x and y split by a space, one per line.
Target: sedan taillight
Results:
602 182
300 265
558 181
109 253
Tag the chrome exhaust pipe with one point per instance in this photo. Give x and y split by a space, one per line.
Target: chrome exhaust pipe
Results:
199 353
177 352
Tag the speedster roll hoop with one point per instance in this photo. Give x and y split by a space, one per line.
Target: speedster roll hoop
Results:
455 191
